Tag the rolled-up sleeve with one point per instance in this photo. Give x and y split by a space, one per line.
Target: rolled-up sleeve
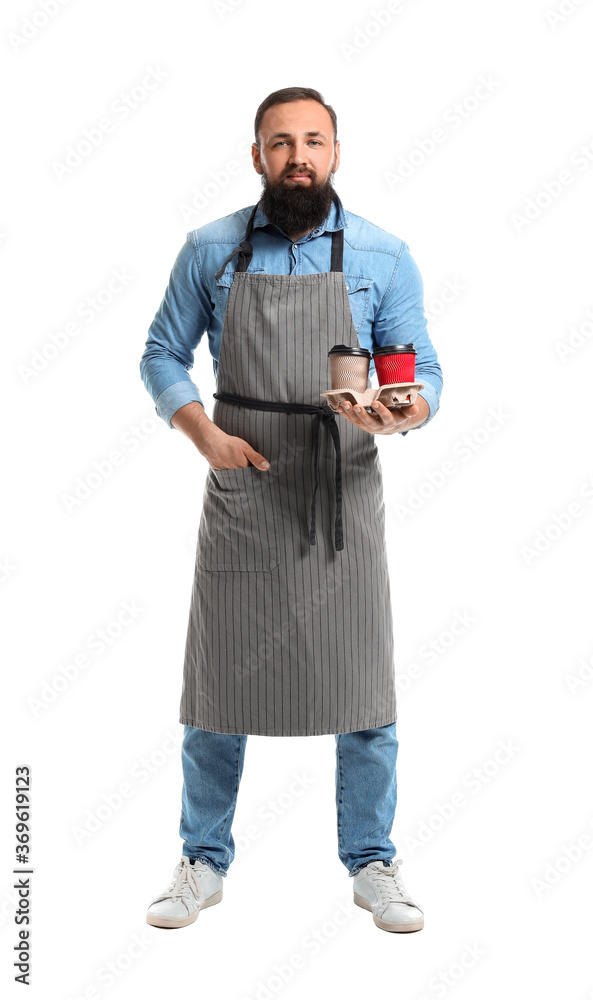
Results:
400 319
174 334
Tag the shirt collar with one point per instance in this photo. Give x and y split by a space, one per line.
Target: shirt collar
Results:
335 219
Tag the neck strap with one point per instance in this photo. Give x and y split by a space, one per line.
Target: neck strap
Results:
245 249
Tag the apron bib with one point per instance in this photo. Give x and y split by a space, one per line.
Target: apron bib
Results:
290 624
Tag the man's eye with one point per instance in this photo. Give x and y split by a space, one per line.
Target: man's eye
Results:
282 141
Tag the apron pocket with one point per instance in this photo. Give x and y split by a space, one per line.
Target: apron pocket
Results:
238 524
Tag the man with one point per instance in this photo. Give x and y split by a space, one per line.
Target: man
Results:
290 626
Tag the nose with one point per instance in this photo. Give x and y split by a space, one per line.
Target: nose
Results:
299 157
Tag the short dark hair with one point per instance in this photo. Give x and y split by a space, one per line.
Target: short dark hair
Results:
292 94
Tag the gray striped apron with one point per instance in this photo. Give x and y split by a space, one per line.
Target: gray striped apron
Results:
290 623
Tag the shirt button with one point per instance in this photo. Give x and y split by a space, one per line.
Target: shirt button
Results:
295 246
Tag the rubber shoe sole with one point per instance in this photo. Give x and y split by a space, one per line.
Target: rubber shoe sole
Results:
157 921
385 925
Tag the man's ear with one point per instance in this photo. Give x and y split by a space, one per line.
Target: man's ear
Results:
337 152
256 158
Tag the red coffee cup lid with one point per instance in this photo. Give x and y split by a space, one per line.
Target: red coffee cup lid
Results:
396 349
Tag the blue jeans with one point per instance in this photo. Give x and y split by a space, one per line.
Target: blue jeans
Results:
366 795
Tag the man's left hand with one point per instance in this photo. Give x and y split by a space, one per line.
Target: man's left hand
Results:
384 421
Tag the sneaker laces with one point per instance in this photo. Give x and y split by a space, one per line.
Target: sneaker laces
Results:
389 884
185 881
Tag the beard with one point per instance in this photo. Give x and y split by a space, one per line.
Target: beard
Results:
297 208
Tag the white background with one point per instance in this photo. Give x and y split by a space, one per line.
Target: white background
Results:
501 536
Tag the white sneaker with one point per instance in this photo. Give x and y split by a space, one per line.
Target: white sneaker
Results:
380 889
192 888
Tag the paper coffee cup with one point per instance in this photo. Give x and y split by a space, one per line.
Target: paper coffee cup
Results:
349 367
395 363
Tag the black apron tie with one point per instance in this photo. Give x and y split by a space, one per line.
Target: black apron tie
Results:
245 251
324 414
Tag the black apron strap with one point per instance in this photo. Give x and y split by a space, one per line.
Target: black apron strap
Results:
245 249
337 250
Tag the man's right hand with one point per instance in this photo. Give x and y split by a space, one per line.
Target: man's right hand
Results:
227 451
221 450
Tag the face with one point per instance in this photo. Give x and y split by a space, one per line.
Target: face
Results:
297 159
287 149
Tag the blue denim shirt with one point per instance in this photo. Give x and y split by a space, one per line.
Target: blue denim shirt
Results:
385 292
